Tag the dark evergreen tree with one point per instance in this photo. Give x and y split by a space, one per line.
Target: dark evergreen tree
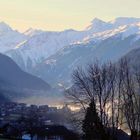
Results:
92 126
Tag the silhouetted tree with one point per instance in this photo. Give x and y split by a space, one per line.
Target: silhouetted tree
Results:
130 89
97 82
92 126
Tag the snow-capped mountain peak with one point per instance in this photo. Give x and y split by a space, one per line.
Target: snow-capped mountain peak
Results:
4 27
98 25
97 21
9 38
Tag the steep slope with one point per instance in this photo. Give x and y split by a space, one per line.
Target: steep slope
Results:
58 68
13 80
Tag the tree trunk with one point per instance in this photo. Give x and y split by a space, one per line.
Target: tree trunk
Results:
134 135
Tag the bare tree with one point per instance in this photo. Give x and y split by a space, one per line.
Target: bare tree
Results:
114 89
97 83
130 88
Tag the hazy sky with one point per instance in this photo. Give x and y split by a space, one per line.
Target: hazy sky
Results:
63 14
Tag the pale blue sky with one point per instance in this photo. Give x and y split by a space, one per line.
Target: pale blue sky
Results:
63 14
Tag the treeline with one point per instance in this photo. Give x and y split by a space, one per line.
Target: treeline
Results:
109 95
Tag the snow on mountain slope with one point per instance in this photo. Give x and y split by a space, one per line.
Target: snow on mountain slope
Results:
125 31
42 44
124 21
59 67
9 38
32 32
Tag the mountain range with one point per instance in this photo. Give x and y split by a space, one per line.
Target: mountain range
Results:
52 56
